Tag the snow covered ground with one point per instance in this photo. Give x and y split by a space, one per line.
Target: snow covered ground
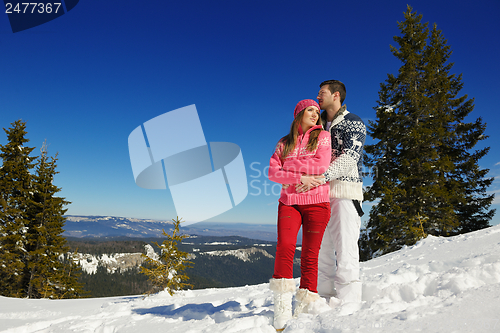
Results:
438 285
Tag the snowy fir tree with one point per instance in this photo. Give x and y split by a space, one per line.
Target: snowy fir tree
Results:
46 274
165 272
427 179
32 248
15 195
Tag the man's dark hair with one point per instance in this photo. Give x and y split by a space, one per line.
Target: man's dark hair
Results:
335 85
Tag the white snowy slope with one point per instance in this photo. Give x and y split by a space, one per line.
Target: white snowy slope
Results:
438 285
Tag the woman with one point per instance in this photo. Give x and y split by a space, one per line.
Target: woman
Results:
298 156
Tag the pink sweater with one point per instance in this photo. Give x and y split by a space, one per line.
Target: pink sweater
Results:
301 161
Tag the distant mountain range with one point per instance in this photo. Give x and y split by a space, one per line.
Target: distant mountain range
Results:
112 227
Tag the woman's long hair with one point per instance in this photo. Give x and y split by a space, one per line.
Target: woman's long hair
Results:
290 140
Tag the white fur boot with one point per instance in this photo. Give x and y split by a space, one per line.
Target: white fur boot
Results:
282 291
309 302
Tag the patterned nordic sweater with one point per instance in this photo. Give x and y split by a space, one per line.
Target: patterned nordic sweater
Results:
348 133
301 161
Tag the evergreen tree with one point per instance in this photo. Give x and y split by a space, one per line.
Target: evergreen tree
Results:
427 180
32 248
15 196
46 274
166 271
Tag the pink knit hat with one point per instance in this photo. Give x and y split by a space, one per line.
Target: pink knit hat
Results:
304 104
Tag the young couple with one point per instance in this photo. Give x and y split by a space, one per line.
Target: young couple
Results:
319 165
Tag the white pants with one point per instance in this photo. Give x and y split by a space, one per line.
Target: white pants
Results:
338 262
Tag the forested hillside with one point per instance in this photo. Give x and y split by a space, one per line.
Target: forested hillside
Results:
218 262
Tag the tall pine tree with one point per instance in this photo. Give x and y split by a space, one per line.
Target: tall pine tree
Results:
32 248
46 274
427 180
15 195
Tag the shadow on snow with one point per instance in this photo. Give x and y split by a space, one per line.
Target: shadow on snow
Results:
227 311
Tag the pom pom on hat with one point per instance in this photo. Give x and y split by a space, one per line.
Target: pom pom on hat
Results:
304 104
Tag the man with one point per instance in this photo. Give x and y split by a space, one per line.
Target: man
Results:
338 263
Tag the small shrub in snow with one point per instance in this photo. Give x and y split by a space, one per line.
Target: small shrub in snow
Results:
165 271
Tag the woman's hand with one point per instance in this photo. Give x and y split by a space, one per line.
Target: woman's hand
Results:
307 182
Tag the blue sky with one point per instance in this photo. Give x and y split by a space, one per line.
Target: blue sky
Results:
87 79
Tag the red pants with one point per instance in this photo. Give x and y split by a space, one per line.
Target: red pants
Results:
313 219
